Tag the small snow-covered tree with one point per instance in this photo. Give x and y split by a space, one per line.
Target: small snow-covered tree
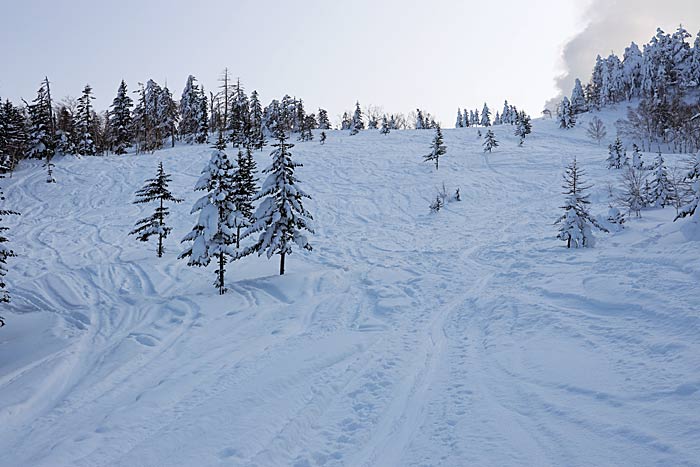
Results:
490 141
576 223
385 126
691 208
617 156
281 218
662 189
566 115
634 193
323 122
523 127
357 123
5 251
214 233
460 121
596 129
437 149
155 189
637 162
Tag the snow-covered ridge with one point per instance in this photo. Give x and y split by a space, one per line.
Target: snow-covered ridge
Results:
464 337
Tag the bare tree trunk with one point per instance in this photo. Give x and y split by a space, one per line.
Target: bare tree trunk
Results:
282 255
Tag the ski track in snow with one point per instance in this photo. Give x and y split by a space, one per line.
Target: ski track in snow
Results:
467 337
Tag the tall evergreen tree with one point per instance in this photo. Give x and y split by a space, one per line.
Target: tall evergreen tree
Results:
168 115
190 110
214 233
120 120
14 136
437 149
323 122
5 251
85 123
578 100
156 189
41 138
245 190
202 129
281 217
523 127
576 223
662 189
485 116
566 115
256 136
385 126
460 122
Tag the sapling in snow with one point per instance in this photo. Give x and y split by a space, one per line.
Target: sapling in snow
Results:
490 141
155 189
617 156
437 149
576 223
596 129
281 218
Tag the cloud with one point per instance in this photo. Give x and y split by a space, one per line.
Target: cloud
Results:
612 25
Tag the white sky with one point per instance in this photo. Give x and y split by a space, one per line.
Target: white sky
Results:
436 54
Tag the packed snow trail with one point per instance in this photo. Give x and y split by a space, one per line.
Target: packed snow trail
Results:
466 337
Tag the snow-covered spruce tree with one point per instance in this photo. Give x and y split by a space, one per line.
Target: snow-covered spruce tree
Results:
120 120
214 233
617 156
281 219
15 139
385 126
5 251
662 189
357 124
578 100
167 116
523 127
691 208
460 122
202 129
155 189
437 149
41 139
596 129
245 190
84 123
633 195
575 224
256 137
190 109
490 141
485 116
566 115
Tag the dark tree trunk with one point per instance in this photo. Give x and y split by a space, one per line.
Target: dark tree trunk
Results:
282 263
221 274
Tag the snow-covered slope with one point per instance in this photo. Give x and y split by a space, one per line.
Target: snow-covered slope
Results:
466 337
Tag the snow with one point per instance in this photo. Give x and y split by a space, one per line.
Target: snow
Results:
464 337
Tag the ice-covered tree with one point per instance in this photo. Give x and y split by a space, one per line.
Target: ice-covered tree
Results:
485 116
691 208
213 235
437 149
281 218
637 161
5 251
155 190
578 100
460 121
596 129
202 130
357 123
167 116
190 110
120 120
617 156
575 225
490 141
41 142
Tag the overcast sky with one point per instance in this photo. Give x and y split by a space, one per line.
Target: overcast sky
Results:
397 54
